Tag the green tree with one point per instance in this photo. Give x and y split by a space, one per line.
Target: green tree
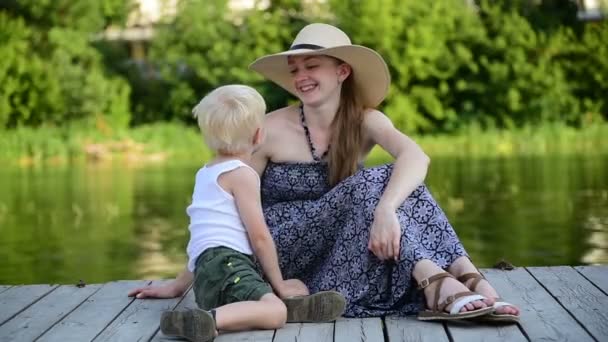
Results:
519 81
207 45
496 64
429 47
584 60
28 86
56 74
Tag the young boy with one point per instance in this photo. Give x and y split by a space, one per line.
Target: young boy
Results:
227 228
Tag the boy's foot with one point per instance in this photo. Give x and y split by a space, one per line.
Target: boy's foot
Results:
322 306
194 325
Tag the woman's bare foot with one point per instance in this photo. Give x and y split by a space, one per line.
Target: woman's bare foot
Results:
462 266
425 269
484 288
449 287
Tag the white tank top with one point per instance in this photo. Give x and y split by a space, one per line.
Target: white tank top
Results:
214 218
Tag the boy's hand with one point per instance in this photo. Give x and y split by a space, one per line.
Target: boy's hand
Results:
163 291
292 288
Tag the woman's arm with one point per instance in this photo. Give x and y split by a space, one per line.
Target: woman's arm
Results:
409 171
411 163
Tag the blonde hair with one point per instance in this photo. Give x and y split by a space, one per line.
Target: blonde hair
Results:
229 117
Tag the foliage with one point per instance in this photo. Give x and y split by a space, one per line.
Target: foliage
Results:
51 73
503 64
497 64
206 46
177 142
429 47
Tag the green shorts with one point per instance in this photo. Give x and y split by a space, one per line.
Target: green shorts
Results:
223 276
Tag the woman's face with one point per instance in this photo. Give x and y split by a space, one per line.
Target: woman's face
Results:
317 78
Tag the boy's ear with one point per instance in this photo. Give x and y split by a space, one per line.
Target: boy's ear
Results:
258 136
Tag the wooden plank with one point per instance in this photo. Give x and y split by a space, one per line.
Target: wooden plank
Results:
317 332
542 317
39 317
18 298
598 275
582 299
358 329
96 313
247 336
4 288
466 331
410 329
140 320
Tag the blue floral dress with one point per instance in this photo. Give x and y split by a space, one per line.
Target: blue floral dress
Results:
322 235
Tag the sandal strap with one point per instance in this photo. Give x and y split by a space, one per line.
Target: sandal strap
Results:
500 303
428 281
440 278
462 301
467 276
451 299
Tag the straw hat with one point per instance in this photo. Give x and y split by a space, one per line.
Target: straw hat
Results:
371 76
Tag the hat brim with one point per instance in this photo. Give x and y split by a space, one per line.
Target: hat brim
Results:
370 72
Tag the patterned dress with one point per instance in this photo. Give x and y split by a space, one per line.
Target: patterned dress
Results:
322 235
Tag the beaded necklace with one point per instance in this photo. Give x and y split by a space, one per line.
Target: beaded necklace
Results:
307 133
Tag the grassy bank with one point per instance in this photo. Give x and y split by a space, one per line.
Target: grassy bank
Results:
148 143
170 141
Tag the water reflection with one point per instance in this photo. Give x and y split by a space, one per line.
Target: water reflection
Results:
101 223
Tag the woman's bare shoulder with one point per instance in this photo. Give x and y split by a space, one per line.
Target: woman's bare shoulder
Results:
280 113
279 118
373 114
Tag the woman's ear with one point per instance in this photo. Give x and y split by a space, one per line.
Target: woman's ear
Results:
344 71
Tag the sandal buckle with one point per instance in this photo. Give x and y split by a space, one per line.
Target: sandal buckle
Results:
424 283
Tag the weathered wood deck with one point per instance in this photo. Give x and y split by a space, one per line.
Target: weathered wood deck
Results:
557 303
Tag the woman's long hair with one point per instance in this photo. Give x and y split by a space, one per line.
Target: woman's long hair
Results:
346 137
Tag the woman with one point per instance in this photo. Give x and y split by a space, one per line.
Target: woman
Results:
370 234
324 211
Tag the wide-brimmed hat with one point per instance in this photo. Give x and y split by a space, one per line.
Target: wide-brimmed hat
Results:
371 76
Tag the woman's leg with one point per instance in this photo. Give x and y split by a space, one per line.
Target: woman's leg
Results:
463 265
425 269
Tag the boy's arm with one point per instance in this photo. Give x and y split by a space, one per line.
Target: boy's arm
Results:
245 188
175 288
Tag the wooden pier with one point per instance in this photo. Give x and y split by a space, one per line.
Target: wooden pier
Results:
557 303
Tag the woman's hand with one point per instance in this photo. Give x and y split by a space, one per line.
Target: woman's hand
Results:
163 291
292 288
385 234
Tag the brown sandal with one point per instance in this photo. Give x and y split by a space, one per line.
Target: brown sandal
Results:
459 299
492 317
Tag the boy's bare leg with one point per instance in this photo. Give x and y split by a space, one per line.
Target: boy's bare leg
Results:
199 325
267 313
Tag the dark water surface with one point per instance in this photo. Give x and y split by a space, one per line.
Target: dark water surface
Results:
59 224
